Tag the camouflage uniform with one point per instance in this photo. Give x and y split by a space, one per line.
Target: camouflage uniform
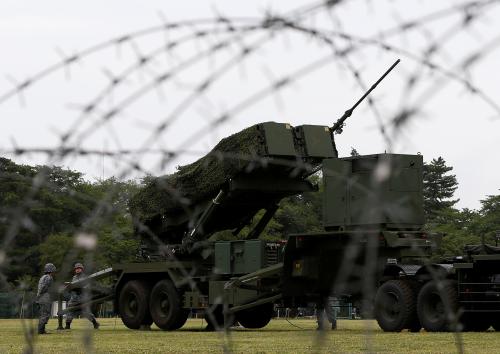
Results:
78 296
43 297
329 307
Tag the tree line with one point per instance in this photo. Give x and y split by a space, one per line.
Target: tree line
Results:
42 208
463 226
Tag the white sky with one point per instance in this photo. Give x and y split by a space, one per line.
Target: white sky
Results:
460 127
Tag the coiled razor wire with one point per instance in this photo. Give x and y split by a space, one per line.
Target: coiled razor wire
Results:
237 42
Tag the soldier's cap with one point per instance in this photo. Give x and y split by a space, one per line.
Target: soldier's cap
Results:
49 268
79 265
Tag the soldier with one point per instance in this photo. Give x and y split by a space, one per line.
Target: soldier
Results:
76 300
328 307
43 296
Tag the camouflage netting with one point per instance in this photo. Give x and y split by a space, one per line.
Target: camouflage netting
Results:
200 180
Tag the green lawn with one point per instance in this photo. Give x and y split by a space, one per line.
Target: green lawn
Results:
280 336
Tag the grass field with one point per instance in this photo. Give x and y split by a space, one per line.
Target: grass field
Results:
280 336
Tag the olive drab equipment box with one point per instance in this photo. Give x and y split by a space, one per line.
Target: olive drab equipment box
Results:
277 139
383 190
244 256
316 141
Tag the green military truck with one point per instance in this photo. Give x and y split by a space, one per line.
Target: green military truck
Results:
375 250
373 247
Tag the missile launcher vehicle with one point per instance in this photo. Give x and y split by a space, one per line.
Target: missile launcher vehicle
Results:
373 247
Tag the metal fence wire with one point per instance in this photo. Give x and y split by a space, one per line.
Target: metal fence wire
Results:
142 103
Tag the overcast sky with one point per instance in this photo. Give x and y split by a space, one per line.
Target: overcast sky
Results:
461 127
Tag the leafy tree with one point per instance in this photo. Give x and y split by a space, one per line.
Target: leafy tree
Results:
458 226
57 248
111 224
439 188
301 213
488 222
42 207
111 248
35 202
469 226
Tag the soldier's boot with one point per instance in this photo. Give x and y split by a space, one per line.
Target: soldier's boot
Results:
41 329
334 325
96 324
322 323
68 325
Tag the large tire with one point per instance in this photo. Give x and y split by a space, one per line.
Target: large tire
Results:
437 307
165 306
256 317
181 320
133 304
395 306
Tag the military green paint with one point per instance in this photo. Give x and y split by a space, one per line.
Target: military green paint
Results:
336 173
235 296
379 190
317 141
279 139
239 257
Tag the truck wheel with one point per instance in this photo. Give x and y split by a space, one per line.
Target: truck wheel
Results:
181 320
256 317
165 306
395 306
438 308
133 304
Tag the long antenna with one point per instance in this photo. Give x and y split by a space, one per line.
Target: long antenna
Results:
339 124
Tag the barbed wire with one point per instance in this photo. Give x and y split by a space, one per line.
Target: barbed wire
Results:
239 40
